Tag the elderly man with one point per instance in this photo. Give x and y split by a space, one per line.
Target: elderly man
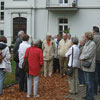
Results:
64 45
97 69
48 47
16 47
56 65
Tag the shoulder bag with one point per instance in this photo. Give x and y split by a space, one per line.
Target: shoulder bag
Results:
25 65
87 64
69 70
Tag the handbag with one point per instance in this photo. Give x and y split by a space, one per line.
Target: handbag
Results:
69 70
25 64
87 64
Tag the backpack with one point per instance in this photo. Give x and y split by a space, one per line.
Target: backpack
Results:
2 46
1 57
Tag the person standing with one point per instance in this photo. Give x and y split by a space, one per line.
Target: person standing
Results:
88 54
16 58
97 69
22 74
64 46
48 48
73 54
5 65
56 65
80 71
35 60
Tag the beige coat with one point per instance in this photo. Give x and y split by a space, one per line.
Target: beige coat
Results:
63 47
48 51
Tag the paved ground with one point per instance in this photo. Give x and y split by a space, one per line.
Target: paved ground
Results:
80 94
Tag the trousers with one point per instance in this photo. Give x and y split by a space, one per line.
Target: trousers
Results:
35 84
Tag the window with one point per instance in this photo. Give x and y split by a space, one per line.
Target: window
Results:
1 32
63 1
63 25
1 10
2 5
2 16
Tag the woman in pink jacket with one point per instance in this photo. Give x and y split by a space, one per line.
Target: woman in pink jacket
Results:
35 60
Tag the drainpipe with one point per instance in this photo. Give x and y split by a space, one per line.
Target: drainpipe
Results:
34 18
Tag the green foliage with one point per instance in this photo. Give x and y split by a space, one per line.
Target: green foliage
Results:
67 31
40 44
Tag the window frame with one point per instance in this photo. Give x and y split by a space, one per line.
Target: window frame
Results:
2 10
63 25
1 32
63 2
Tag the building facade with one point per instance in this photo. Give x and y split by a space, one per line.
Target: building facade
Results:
38 17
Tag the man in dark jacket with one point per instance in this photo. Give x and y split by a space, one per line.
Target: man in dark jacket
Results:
97 70
16 58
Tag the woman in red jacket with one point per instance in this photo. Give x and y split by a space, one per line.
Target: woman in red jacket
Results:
35 60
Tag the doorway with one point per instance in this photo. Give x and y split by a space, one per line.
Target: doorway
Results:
19 23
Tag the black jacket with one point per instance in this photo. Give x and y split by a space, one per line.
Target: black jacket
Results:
16 47
2 46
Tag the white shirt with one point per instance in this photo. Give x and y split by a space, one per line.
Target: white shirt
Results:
76 53
22 49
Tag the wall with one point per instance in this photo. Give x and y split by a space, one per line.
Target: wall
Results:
87 3
79 22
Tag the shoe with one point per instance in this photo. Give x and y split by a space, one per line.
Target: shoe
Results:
95 93
36 96
50 75
84 98
82 85
21 90
28 96
45 76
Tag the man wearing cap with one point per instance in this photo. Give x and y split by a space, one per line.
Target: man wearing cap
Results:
48 47
64 45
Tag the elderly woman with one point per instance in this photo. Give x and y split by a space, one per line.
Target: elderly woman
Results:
80 71
22 74
35 60
73 54
5 65
88 54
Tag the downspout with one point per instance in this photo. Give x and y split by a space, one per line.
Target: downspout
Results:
34 18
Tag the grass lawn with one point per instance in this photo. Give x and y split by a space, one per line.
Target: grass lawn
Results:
10 77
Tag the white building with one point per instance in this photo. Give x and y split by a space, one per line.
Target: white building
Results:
37 17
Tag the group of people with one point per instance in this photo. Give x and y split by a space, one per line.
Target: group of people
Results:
56 56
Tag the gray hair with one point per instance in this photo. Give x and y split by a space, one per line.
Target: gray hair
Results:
69 35
36 42
48 34
20 32
75 40
64 34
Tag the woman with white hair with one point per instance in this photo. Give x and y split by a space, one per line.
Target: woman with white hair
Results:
73 54
35 60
